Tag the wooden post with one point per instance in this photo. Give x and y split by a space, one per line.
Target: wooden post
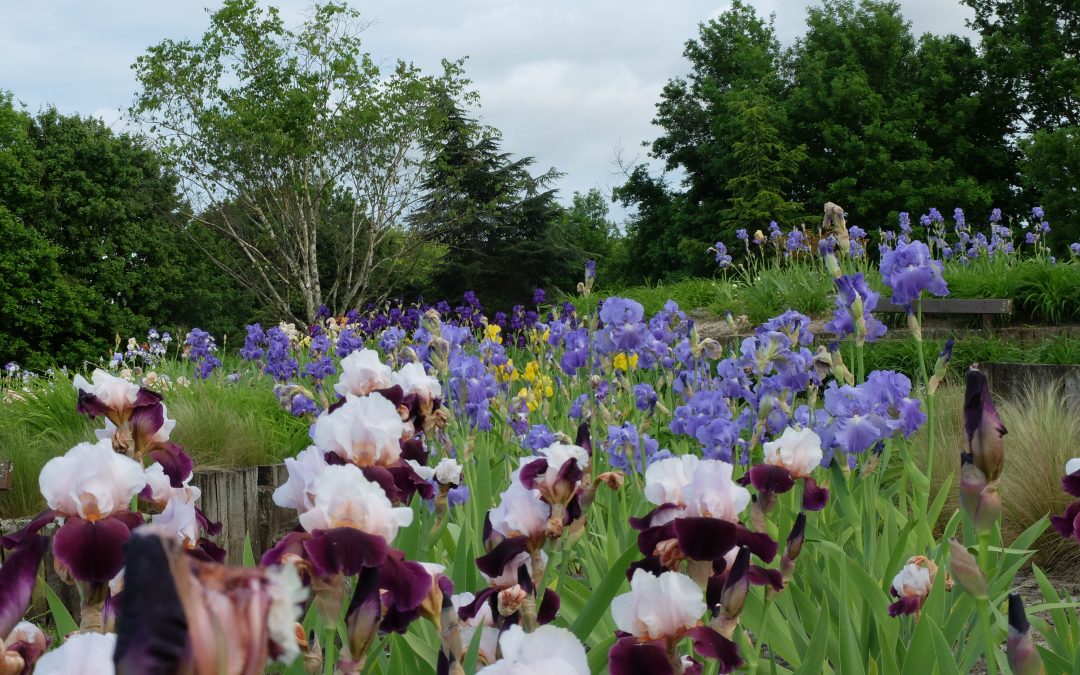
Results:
5 475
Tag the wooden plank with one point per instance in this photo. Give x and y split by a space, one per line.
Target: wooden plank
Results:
952 306
5 475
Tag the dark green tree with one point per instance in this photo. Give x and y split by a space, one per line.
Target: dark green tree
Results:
764 168
494 218
1032 53
93 246
1051 172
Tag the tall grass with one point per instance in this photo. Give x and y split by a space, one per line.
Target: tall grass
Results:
903 356
219 424
1044 433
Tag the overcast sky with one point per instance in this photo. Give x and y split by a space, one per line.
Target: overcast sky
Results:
566 81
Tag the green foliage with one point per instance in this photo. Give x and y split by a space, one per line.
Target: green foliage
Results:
765 168
496 220
297 149
1050 170
93 243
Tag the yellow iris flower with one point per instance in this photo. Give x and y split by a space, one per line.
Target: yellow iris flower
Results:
624 363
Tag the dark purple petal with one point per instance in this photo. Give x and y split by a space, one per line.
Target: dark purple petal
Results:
1071 484
468 612
364 612
650 564
176 463
42 519
207 551
146 420
705 538
385 479
394 394
1064 523
344 550
985 430
17 577
533 470
91 405
495 561
414 450
292 542
814 497
406 583
736 584
630 657
645 521
549 607
648 540
569 475
909 604
408 482
93 551
763 576
759 543
147 397
211 528
769 478
152 630
713 645
583 438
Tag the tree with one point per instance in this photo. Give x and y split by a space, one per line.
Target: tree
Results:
494 218
1032 52
1051 172
765 168
91 248
287 141
584 227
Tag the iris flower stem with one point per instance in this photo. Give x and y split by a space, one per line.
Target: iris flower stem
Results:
765 606
984 607
929 403
329 634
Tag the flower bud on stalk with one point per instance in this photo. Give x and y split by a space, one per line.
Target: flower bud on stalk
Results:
794 546
839 370
1023 656
833 266
981 500
914 326
985 431
965 570
941 366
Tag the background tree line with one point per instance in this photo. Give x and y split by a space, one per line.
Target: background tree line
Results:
860 111
273 169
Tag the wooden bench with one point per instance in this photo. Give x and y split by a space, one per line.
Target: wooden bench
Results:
987 308
5 475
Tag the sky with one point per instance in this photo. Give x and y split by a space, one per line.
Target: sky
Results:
572 83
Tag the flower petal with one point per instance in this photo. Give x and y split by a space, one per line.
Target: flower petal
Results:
759 543
705 538
152 630
93 551
344 550
770 478
713 645
814 497
17 577
630 657
494 562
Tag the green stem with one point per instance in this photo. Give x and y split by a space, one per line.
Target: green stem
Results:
761 632
991 647
329 660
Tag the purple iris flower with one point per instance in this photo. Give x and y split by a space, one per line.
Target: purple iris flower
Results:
995 216
279 363
796 241
252 349
627 450
391 338
905 222
722 258
849 289
909 270
958 216
645 397
1031 238
795 325
539 437
302 405
539 296
1038 213
623 328
741 235
1075 248
590 269
576 407
201 348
